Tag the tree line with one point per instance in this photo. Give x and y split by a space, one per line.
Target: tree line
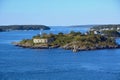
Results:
23 27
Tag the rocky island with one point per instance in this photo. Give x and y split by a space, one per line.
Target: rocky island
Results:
75 41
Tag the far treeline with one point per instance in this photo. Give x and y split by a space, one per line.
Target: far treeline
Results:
23 27
108 30
106 27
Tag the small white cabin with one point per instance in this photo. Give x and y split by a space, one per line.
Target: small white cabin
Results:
42 40
97 32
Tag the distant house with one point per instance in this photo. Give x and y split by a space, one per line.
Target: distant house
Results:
42 40
118 28
97 32
86 33
92 29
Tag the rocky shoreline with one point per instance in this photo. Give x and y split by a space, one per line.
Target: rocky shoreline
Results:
66 47
40 46
93 48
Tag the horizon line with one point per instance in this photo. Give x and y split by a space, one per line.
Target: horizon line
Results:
58 25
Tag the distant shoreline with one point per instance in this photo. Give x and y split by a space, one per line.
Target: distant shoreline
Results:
23 27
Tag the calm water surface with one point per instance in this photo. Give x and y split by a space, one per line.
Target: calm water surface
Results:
55 64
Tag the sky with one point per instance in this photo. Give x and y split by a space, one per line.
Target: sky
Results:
59 12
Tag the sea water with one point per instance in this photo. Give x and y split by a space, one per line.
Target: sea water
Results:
18 63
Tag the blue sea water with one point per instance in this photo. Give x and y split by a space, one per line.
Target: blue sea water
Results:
17 63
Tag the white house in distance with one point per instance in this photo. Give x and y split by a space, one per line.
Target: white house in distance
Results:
97 32
42 40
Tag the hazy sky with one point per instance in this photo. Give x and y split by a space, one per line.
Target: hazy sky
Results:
59 12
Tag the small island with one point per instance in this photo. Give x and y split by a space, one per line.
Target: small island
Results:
23 27
75 41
